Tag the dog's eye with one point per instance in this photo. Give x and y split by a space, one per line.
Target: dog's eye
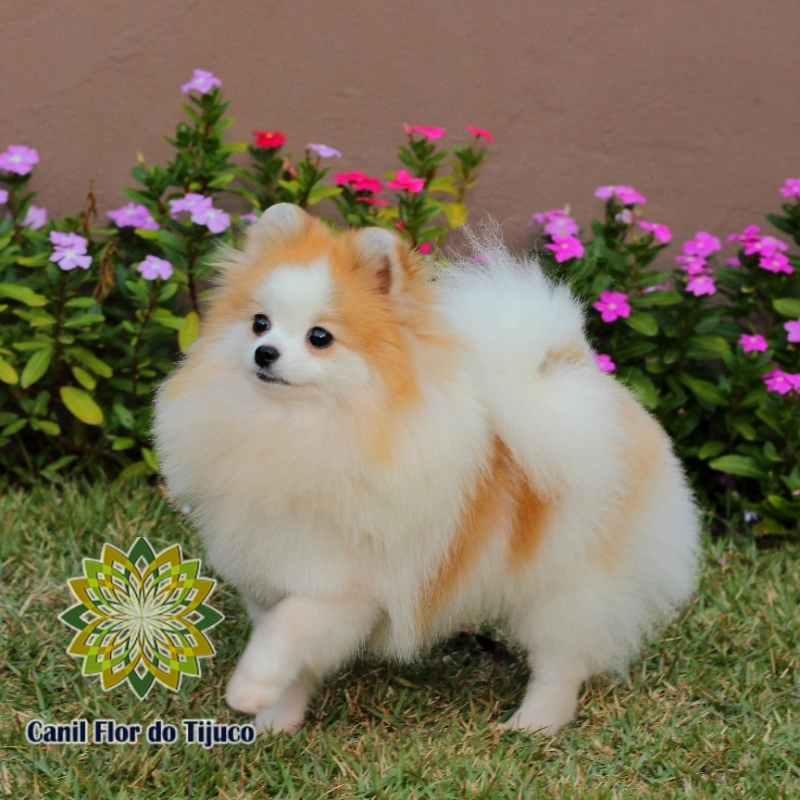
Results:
260 323
319 337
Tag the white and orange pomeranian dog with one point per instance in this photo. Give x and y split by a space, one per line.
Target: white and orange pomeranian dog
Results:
375 458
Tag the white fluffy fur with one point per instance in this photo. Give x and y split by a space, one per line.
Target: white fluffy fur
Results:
332 551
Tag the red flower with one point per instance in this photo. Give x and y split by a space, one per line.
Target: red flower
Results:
359 181
271 139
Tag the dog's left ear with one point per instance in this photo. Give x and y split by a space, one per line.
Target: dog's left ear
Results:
388 256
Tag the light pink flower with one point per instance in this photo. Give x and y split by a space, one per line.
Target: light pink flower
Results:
70 251
700 285
733 262
661 233
19 159
604 362
35 218
250 217
612 305
214 219
565 248
627 195
153 267
548 216
3 196
625 216
323 151
481 133
68 240
755 342
133 215
427 132
694 265
190 202
203 81
661 287
791 188
360 181
777 262
781 382
561 226
425 248
403 180
703 245
793 330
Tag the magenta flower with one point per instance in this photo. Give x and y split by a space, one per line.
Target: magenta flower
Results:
3 196
791 188
661 233
627 195
612 306
70 251
750 232
153 267
481 133
781 382
793 330
733 262
763 245
250 217
694 265
203 81
548 216
703 245
565 248
701 284
425 248
359 181
35 218
214 219
427 132
190 202
19 159
324 151
604 362
777 262
756 343
402 180
133 215
561 227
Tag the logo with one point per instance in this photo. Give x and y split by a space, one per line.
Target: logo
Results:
141 617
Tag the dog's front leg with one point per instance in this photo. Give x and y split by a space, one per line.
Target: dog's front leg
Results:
292 647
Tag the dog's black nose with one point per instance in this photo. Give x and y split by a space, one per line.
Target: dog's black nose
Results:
265 354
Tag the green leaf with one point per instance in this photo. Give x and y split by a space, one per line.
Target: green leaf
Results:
23 294
189 332
658 298
37 366
150 459
456 214
123 443
704 390
321 192
738 465
711 449
14 427
49 427
643 387
79 320
745 430
81 405
7 373
707 348
788 306
84 378
90 360
642 322
163 317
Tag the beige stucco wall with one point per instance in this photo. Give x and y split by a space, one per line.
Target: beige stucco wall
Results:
693 103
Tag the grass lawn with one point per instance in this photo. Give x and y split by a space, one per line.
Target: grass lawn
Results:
712 709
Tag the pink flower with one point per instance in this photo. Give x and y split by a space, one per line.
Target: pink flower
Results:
703 245
793 330
481 133
214 219
661 233
153 267
791 188
372 201
402 180
548 216
625 216
755 342
270 139
428 133
250 217
359 181
425 248
19 159
701 284
694 265
750 232
733 262
190 202
612 305
203 81
133 215
777 262
35 218
324 151
565 248
781 382
70 251
3 196
661 287
604 362
561 227
627 195
763 245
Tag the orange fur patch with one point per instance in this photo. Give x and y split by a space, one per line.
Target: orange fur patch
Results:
572 354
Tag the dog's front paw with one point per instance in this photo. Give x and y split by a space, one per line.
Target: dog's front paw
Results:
542 712
286 716
250 693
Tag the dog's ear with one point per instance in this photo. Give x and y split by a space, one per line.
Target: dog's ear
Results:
278 223
387 256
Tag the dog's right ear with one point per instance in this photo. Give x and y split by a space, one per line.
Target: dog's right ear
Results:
277 224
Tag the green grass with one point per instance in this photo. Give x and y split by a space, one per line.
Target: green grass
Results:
712 709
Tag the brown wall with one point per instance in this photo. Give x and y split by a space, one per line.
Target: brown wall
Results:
693 103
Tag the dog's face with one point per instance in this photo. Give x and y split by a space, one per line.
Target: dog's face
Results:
303 310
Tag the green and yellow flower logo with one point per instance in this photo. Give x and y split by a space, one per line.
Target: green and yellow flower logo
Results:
141 617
